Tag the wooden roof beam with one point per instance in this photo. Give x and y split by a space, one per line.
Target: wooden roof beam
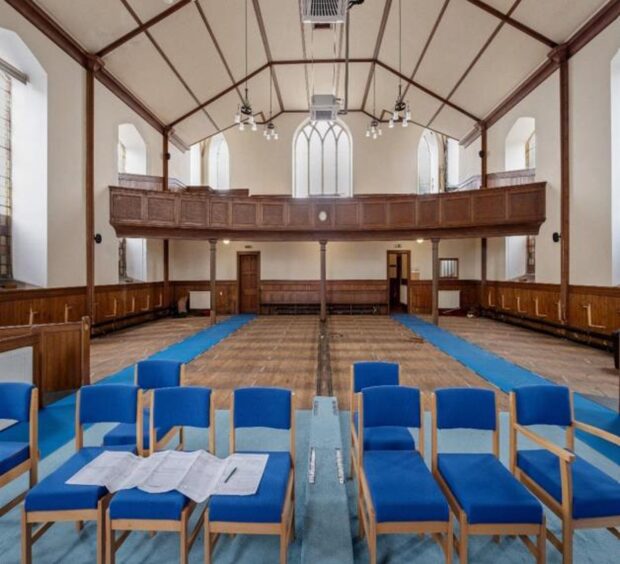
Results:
143 27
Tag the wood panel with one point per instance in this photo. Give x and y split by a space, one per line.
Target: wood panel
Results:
421 294
248 280
192 214
226 293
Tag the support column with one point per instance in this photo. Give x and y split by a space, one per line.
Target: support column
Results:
483 273
435 290
165 182
564 185
484 179
212 280
323 285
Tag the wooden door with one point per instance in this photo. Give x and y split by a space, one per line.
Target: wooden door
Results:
248 277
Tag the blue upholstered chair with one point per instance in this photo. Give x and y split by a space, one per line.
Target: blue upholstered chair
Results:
270 511
150 375
19 402
483 495
52 500
398 493
580 494
389 437
136 510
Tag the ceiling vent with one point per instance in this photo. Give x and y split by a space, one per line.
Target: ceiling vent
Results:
324 107
324 11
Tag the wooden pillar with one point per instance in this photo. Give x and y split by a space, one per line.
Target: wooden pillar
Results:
165 182
435 290
323 285
89 188
564 185
212 280
483 273
484 179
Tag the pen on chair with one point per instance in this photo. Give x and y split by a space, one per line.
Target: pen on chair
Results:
230 475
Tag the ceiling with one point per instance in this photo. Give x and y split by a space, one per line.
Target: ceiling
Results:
188 67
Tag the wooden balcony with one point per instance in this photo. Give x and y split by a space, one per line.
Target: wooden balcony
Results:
193 214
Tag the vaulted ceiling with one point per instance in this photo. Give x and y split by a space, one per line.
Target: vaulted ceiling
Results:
184 59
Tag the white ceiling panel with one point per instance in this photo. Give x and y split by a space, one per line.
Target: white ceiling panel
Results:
557 19
139 66
93 23
419 17
195 128
511 57
364 23
228 25
283 27
185 40
501 5
463 31
358 75
147 9
292 81
452 122
323 43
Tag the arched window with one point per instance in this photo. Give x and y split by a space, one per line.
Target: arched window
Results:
452 163
428 163
196 155
6 271
322 160
530 151
520 146
219 164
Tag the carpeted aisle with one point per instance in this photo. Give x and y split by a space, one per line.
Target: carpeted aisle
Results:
507 376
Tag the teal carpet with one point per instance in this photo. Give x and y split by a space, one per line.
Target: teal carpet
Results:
508 376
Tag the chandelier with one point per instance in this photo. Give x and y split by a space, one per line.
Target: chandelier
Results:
374 128
244 114
401 111
270 131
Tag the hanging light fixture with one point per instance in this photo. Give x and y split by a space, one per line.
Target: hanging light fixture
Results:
402 111
270 131
374 128
245 115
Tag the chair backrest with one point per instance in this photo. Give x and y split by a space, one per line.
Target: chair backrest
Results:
262 407
153 374
464 408
188 406
15 401
543 405
371 373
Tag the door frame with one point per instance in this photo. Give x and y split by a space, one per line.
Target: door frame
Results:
258 279
387 274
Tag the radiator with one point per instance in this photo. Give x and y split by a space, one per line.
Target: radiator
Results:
449 299
199 299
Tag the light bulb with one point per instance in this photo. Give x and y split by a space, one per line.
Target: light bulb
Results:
275 136
254 126
241 126
380 131
367 133
395 115
405 122
374 135
238 116
391 123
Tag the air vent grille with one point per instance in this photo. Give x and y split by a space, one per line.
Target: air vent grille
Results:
324 11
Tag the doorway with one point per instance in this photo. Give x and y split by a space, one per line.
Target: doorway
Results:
398 265
248 281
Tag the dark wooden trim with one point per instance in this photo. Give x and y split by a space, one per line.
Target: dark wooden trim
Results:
387 261
435 289
213 280
378 42
258 279
165 187
514 23
595 25
564 189
323 281
143 27
89 193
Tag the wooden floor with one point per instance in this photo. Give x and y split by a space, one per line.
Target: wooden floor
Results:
283 351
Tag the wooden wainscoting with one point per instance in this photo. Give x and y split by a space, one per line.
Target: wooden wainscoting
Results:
226 293
61 352
421 296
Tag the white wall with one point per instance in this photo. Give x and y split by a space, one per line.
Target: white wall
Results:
615 162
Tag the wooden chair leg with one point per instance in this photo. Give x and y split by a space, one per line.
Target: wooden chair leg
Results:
26 540
183 540
567 542
541 557
372 539
181 439
463 538
101 524
207 541
110 553
79 525
360 531
448 542
283 544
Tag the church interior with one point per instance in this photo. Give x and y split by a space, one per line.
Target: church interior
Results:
309 281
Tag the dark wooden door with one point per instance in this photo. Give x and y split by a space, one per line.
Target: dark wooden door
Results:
248 272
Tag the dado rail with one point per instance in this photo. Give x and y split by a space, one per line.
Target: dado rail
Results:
203 214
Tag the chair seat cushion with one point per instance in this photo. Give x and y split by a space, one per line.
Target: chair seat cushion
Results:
53 494
487 491
136 504
12 455
386 438
402 487
266 505
125 434
595 494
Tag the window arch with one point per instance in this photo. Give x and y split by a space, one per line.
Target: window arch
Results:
428 163
322 161
219 163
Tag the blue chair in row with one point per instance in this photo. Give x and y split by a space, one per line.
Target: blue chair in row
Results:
150 375
483 494
19 402
364 375
52 500
398 492
271 510
136 510
581 495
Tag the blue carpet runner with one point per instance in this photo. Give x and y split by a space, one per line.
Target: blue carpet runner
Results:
507 376
57 420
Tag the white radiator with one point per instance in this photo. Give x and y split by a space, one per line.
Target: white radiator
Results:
199 299
449 299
